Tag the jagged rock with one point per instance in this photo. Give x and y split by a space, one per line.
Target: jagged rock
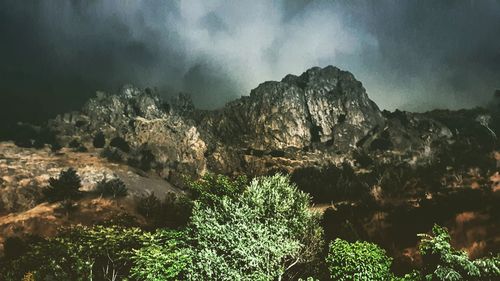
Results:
321 106
139 118
320 118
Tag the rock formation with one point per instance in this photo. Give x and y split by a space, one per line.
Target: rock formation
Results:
320 127
322 117
137 129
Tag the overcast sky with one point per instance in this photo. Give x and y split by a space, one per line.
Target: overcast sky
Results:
413 55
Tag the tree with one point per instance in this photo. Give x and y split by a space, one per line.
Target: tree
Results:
66 187
113 188
257 236
120 143
358 261
99 140
79 253
443 263
211 188
165 256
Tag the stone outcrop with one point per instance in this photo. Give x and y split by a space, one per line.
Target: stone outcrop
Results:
143 125
322 117
326 106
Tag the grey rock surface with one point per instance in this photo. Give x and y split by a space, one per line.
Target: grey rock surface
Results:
322 117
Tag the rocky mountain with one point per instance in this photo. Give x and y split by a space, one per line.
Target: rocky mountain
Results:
322 117
136 128
320 127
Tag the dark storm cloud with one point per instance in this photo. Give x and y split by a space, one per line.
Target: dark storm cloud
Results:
409 54
432 53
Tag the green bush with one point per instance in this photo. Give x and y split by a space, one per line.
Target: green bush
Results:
331 183
77 146
112 154
113 188
143 159
234 231
79 253
66 187
358 261
165 256
443 263
14 247
66 207
149 206
258 235
120 143
173 212
99 140
211 188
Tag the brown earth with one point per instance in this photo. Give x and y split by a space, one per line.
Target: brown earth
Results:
24 172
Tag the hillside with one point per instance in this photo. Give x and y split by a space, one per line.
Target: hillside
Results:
376 175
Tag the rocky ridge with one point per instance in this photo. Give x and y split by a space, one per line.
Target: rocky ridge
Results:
322 117
320 127
138 129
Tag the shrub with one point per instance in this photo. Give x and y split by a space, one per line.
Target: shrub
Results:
74 143
148 206
65 187
211 188
258 235
112 154
174 211
99 140
442 262
331 183
358 261
120 143
77 146
143 160
79 253
14 247
165 256
55 147
113 188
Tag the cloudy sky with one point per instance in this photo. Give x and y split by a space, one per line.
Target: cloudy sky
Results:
413 55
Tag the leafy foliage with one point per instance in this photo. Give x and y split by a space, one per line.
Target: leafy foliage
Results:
67 207
212 188
77 146
358 261
174 211
113 188
149 206
234 230
442 262
120 143
257 236
14 247
165 256
143 159
79 253
65 187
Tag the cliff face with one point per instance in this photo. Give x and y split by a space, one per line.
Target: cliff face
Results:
138 129
327 106
322 117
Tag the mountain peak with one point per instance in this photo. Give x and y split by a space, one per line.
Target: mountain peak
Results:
322 105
